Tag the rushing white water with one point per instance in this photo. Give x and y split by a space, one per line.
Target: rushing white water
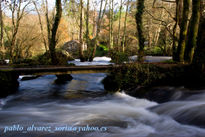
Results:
189 110
96 61
106 60
83 101
151 58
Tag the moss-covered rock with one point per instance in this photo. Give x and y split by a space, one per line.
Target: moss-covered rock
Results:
137 78
131 76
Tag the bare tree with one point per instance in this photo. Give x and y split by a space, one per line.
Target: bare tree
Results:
119 25
99 21
81 32
17 9
41 26
125 27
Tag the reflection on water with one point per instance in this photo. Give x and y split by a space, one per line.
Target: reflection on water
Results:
83 101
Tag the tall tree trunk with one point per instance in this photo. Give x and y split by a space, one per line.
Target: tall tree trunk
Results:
52 43
1 23
183 32
180 11
81 32
178 16
193 31
111 24
156 39
48 24
125 27
139 22
199 57
119 25
94 23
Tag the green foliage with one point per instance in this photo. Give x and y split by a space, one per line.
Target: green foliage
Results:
24 62
43 59
155 51
118 57
62 58
102 50
104 47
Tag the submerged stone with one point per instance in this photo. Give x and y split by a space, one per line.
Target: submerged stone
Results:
63 78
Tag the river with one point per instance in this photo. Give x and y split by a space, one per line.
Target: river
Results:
41 107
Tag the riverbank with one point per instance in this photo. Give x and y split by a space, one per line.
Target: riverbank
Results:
137 79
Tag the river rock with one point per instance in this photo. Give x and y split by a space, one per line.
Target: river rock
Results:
63 78
72 47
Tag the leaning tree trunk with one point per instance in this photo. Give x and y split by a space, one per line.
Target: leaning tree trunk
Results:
52 43
139 22
119 25
183 32
111 24
87 24
193 31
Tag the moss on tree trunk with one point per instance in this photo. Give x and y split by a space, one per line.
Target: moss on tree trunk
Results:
193 31
139 22
183 32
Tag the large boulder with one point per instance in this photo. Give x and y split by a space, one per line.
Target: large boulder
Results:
73 47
